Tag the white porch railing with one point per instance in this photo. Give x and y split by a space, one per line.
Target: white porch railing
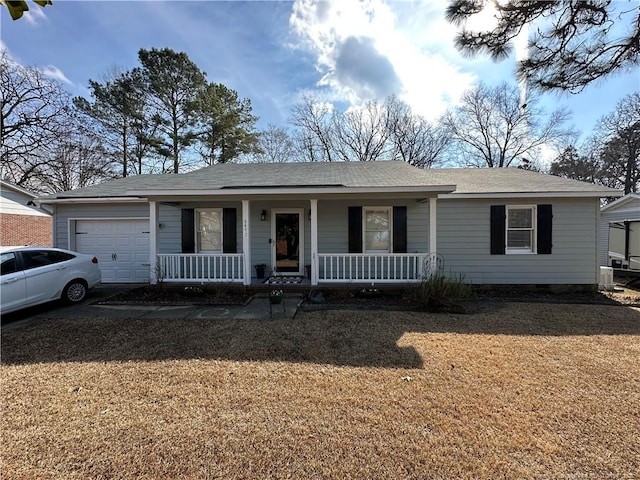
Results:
368 268
192 267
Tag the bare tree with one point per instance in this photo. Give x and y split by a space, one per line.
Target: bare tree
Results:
78 160
414 139
611 155
274 146
305 146
373 131
314 120
362 133
492 129
620 153
34 110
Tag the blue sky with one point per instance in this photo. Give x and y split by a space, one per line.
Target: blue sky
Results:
273 52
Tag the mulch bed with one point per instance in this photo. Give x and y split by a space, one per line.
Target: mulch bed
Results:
190 295
366 298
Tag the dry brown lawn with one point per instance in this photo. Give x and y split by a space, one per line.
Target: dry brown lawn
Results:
514 391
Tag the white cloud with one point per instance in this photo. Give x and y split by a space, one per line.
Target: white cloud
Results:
54 72
373 48
34 15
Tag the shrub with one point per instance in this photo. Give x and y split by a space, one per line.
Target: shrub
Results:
439 291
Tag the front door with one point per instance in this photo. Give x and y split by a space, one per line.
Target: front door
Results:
287 233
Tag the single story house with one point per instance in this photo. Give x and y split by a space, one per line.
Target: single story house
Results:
352 222
620 233
21 221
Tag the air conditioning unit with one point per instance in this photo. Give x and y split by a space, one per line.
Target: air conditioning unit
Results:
606 278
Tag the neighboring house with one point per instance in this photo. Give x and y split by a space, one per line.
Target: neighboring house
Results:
620 233
21 222
352 222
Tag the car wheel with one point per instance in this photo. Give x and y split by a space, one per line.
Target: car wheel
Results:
75 291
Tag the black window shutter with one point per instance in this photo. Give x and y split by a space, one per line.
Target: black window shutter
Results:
545 223
400 229
229 244
188 231
355 229
498 218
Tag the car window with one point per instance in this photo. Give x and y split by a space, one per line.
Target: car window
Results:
8 263
41 258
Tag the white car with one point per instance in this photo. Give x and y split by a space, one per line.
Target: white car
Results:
33 275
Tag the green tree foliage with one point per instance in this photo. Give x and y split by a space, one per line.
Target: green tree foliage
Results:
574 42
174 84
611 157
163 116
18 7
570 164
226 125
119 108
491 128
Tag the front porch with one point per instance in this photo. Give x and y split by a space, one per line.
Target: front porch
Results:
337 268
370 239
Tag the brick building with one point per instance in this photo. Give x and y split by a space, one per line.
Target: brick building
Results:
21 222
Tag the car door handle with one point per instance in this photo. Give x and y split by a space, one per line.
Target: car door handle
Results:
61 268
11 280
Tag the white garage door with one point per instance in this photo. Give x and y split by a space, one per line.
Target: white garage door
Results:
122 248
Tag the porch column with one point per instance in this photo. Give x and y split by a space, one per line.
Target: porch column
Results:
433 246
314 241
246 242
154 269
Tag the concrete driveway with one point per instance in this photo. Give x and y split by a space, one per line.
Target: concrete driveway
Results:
257 308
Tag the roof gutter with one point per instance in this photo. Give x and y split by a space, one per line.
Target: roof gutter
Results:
91 200
437 189
597 194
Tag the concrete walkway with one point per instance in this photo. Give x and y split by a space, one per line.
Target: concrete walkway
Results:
257 308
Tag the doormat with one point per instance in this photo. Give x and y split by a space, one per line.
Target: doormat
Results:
284 280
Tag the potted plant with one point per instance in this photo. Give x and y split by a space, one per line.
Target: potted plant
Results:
260 269
275 297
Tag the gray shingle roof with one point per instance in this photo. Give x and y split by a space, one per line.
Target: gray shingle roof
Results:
510 180
338 175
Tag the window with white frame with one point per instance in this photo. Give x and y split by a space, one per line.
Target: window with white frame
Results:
521 229
377 229
209 229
